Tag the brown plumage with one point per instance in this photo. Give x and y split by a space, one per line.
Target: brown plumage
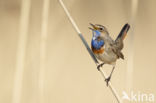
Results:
110 50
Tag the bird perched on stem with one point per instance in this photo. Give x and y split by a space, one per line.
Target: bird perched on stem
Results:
105 48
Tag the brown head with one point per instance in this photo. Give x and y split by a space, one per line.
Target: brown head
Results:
99 27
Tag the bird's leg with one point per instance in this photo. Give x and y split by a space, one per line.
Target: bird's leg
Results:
108 79
100 65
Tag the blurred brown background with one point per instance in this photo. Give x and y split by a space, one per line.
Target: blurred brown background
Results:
69 74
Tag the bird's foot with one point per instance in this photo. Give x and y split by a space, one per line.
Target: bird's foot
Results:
107 80
100 65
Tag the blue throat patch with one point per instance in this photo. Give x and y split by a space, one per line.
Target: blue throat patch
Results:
97 33
97 44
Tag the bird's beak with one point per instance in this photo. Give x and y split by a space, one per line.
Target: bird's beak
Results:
93 26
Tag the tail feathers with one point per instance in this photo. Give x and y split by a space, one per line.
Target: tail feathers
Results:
123 32
119 40
121 55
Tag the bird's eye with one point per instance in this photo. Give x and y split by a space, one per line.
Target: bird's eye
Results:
101 28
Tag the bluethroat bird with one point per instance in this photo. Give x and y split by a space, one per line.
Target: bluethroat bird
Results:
105 48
